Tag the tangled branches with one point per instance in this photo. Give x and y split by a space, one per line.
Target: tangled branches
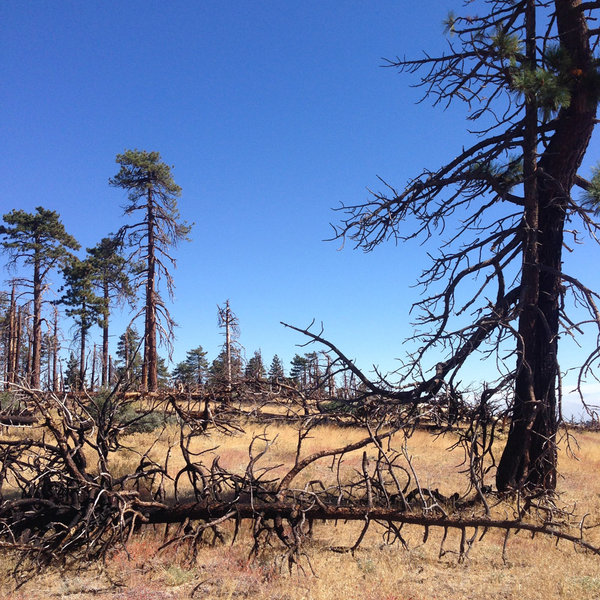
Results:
65 500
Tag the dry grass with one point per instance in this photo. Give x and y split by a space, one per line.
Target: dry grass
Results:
536 569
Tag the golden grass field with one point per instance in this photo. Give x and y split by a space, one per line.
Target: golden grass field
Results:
535 568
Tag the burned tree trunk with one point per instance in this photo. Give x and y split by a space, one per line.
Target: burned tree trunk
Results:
529 458
150 364
105 358
55 382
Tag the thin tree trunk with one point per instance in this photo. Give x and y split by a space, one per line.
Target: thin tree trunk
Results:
128 375
18 345
330 378
49 347
12 339
82 359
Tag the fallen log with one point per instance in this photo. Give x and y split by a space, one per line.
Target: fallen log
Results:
18 420
155 513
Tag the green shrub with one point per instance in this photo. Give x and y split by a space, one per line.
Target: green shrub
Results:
125 414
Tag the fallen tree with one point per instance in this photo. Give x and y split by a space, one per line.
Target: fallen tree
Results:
62 501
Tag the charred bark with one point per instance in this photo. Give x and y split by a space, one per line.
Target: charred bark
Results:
529 458
105 359
150 366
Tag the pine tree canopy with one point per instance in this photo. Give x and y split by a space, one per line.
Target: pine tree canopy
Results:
149 180
276 369
78 293
36 236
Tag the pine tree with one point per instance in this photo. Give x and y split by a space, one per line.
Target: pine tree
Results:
196 360
276 369
193 370
183 375
162 373
9 333
39 241
255 369
224 373
72 378
82 304
313 368
299 370
153 194
527 71
111 277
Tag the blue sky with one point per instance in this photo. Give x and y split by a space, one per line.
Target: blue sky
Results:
272 113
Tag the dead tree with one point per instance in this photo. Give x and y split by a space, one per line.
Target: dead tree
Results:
11 360
229 322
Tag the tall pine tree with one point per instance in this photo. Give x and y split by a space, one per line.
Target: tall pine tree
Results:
255 368
110 275
129 363
82 304
193 370
152 199
527 71
40 242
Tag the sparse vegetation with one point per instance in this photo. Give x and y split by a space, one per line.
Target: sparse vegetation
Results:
375 571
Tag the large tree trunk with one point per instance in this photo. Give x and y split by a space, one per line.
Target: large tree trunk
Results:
35 365
149 368
83 333
18 344
105 337
55 386
529 458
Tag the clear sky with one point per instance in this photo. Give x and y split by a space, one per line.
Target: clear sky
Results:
271 112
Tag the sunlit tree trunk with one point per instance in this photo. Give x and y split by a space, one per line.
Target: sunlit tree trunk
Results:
11 351
105 366
55 382
35 365
83 335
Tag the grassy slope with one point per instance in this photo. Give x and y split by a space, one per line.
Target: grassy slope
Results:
535 568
